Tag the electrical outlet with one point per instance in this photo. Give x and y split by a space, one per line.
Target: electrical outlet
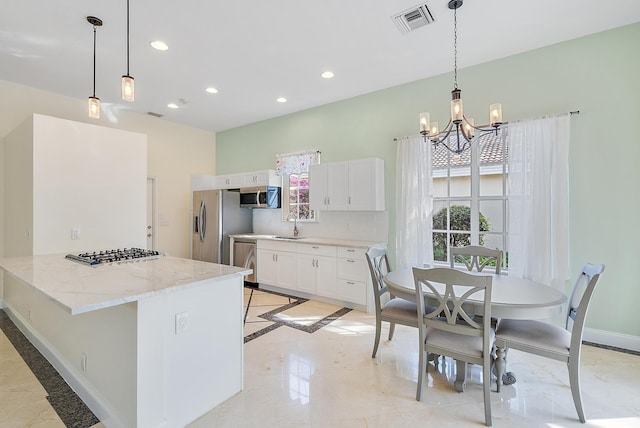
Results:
181 322
75 233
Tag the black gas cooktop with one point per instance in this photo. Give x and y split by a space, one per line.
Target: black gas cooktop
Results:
109 256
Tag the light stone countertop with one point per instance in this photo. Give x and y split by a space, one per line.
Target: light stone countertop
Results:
80 288
312 240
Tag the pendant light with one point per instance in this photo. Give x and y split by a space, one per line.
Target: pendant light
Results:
128 84
459 127
94 102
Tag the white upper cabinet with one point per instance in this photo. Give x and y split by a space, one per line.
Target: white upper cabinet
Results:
356 185
267 177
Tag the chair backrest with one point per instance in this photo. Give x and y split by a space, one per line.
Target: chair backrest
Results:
476 256
580 299
378 267
451 289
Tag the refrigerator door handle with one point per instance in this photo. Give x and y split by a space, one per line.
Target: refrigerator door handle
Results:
203 221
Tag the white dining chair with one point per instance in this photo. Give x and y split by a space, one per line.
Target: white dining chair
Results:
551 341
389 308
449 330
476 257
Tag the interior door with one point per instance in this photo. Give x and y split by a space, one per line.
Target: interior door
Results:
151 210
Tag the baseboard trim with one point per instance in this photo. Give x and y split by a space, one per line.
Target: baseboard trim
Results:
83 389
608 338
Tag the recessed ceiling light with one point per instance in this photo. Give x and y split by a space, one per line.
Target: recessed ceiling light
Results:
159 45
327 75
172 105
211 90
281 100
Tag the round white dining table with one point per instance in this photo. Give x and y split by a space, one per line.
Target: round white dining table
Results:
511 297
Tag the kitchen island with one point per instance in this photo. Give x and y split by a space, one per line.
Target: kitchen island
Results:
154 342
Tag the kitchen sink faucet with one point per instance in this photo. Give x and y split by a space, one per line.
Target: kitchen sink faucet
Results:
295 223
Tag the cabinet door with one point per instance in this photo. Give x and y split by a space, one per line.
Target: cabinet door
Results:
366 184
318 187
338 186
307 273
326 276
287 270
267 267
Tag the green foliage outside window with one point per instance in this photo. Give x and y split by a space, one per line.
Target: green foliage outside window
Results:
460 220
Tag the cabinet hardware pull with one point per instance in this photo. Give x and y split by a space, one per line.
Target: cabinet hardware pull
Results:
351 261
349 200
351 251
351 283
314 247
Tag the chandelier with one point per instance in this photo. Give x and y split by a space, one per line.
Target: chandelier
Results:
464 127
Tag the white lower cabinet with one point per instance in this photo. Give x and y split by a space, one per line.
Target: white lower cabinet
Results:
329 272
317 269
277 264
352 275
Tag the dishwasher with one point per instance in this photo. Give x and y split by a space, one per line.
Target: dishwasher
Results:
245 256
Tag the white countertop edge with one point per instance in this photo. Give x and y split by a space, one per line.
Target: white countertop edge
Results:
313 240
134 298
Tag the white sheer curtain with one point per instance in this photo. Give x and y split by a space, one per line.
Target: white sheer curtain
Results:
414 202
539 199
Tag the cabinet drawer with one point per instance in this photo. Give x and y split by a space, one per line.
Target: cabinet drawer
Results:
317 250
352 269
352 253
269 244
352 291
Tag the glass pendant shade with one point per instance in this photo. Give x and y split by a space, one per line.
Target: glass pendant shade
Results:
495 114
434 130
94 107
468 127
128 88
424 122
456 110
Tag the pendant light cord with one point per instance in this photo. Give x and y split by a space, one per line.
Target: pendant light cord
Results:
455 48
94 61
127 37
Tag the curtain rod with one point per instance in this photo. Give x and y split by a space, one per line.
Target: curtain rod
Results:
299 153
571 113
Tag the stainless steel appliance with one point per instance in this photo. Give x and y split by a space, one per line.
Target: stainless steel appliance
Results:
260 197
245 255
109 256
216 215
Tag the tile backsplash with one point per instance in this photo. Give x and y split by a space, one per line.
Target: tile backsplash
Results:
356 225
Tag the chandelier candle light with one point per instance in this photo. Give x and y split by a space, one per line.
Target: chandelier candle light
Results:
94 102
464 127
128 84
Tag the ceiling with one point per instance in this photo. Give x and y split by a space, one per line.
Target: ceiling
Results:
254 51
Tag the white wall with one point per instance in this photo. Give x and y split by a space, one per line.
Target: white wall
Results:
91 178
174 152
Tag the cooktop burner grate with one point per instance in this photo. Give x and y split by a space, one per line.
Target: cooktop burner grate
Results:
109 256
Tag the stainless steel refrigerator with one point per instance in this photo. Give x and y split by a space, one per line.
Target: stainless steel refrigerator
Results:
216 215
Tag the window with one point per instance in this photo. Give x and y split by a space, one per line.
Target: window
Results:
470 196
294 169
297 190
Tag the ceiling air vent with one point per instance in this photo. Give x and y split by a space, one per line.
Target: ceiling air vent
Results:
413 18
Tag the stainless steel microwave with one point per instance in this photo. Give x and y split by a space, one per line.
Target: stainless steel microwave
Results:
260 197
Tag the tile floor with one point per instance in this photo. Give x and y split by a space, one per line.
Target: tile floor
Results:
308 364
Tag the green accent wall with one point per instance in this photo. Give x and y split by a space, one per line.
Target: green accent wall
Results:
598 75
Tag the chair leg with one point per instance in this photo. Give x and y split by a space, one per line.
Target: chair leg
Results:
376 341
574 381
392 329
500 366
486 386
422 367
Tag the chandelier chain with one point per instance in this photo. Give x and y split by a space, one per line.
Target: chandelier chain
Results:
455 49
